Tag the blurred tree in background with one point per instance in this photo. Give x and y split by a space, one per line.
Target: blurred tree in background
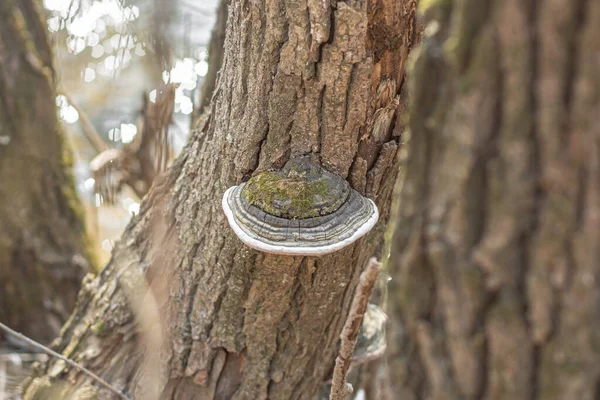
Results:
44 250
118 62
495 265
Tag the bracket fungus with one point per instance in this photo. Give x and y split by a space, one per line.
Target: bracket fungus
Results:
300 210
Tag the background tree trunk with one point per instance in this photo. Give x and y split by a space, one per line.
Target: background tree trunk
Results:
43 249
495 260
298 78
216 51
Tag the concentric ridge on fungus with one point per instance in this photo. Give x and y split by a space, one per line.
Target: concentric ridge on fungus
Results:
300 210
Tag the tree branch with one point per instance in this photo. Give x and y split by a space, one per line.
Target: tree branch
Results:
72 363
340 388
86 125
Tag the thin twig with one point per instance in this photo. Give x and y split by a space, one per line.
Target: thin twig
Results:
72 363
88 128
340 389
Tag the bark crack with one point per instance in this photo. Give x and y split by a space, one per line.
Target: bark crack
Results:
573 51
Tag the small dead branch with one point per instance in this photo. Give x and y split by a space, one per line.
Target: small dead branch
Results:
340 389
86 125
70 362
138 163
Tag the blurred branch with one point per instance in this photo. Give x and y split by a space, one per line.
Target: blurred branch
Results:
154 151
198 10
86 125
162 15
70 362
138 163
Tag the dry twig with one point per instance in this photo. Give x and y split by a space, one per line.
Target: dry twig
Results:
70 362
86 125
340 389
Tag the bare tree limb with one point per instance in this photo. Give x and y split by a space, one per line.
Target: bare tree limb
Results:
72 363
340 388
86 125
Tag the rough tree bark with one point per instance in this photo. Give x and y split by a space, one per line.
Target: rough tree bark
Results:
43 250
298 78
495 261
216 51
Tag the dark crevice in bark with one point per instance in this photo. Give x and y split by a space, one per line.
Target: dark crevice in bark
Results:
569 278
187 337
573 49
580 203
423 240
478 187
351 81
476 14
430 313
535 140
535 378
309 68
274 73
523 245
483 384
245 66
222 294
261 148
331 37
287 144
488 152
321 110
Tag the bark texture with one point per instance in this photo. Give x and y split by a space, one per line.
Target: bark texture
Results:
298 77
216 51
43 250
495 259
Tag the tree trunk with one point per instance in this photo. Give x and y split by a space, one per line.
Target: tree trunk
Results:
43 249
216 51
495 263
297 78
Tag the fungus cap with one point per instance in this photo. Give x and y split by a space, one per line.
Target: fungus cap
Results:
300 210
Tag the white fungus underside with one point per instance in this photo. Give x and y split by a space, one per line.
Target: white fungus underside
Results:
290 248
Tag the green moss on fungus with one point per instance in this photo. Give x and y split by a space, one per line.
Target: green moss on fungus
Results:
299 191
295 197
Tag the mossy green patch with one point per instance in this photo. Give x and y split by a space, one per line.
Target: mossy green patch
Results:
290 197
301 189
99 328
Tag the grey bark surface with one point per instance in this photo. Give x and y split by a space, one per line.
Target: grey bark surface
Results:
298 78
494 264
43 249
